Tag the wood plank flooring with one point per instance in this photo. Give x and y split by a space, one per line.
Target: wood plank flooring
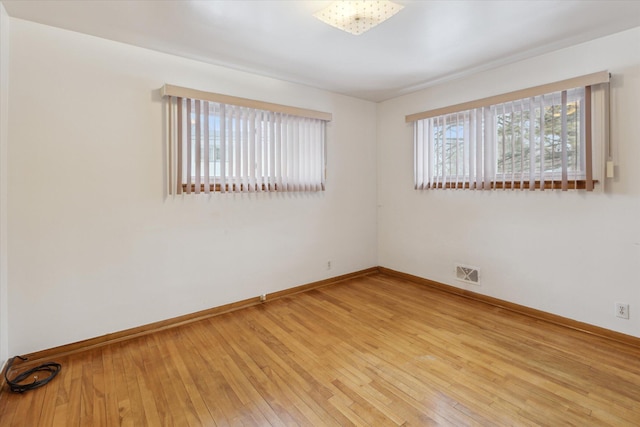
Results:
375 351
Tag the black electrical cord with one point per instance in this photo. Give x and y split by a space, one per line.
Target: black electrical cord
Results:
14 384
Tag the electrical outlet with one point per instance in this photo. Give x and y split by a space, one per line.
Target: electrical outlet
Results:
622 310
328 265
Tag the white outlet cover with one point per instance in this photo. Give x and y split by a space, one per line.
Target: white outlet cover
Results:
622 310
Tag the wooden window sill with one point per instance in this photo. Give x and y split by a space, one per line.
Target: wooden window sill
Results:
580 184
229 188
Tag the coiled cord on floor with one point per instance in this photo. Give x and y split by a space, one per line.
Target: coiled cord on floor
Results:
14 383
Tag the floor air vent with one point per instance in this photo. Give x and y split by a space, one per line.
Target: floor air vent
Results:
467 274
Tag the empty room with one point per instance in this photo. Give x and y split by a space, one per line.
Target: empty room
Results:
319 213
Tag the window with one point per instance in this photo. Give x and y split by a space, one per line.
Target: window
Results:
227 144
527 139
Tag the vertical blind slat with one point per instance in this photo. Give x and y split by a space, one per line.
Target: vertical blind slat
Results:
198 146
172 144
512 148
501 151
588 136
237 149
251 146
179 181
260 136
269 151
189 145
307 152
489 148
457 150
244 155
443 139
207 147
276 152
533 147
478 148
223 148
427 180
216 144
416 172
574 129
465 151
522 155
285 152
563 139
543 151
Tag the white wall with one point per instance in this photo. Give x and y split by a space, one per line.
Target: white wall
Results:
572 254
4 114
96 247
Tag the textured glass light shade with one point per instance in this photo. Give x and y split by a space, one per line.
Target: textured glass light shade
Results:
356 17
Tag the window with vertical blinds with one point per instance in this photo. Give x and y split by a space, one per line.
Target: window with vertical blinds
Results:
549 137
220 143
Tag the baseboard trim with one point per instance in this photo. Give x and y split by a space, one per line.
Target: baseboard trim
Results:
127 334
92 343
521 309
3 381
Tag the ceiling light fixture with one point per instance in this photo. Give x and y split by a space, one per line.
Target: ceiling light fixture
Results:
356 17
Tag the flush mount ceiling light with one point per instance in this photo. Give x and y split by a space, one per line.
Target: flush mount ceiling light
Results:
356 17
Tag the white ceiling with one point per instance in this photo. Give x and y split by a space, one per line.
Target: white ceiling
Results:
425 43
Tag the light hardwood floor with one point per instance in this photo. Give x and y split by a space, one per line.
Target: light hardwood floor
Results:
375 350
